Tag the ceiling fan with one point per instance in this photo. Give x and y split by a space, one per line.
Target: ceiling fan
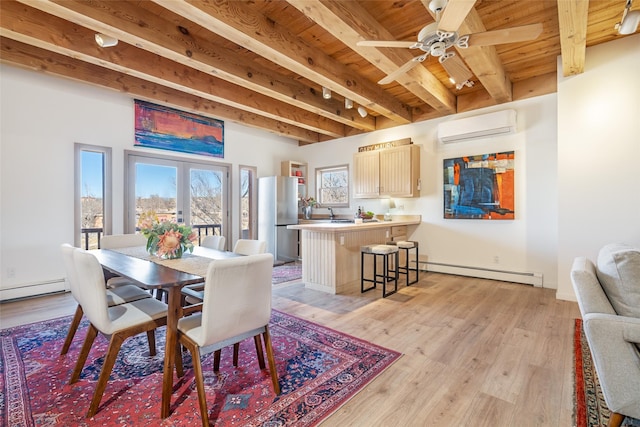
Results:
436 38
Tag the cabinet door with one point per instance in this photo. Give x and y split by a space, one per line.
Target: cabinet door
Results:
399 171
366 174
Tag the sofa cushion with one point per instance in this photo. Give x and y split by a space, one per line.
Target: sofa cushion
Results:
618 270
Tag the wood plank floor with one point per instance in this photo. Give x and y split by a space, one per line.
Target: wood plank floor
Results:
476 352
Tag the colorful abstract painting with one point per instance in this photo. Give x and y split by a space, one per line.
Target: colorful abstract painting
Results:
162 127
479 187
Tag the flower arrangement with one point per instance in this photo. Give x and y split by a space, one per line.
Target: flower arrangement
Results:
166 239
308 201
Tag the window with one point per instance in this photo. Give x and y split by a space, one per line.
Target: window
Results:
332 186
248 196
92 208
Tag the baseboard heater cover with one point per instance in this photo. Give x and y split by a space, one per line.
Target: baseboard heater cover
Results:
33 289
528 278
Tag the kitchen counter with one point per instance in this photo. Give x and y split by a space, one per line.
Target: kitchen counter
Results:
331 251
327 225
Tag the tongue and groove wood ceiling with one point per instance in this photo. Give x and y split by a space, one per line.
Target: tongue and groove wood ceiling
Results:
264 63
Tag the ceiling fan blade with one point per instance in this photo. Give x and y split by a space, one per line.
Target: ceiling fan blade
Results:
506 35
454 14
456 68
385 43
403 69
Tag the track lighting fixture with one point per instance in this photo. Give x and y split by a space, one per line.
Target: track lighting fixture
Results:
326 93
104 40
348 104
630 20
362 111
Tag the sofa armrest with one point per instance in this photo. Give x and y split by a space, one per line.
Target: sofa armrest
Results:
589 293
613 341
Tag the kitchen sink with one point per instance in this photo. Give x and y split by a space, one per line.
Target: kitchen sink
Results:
342 220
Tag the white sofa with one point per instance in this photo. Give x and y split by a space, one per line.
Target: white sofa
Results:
608 294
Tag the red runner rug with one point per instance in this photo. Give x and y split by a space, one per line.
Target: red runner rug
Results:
319 370
590 407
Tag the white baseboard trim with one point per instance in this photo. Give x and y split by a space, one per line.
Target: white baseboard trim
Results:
33 289
528 278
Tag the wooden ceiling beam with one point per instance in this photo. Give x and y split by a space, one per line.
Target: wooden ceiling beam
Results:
19 54
160 36
350 23
572 19
484 62
24 24
271 40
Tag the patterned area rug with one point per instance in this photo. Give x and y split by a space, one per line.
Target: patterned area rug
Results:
286 273
319 370
590 409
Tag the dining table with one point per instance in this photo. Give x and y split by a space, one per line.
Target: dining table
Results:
170 275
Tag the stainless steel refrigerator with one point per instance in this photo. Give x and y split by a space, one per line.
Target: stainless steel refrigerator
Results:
277 208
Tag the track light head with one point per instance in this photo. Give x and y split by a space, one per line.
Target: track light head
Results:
362 111
326 93
348 104
104 40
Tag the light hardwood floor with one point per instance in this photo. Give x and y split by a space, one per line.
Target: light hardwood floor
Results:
476 352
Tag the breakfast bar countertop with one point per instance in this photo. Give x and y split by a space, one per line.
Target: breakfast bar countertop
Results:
327 225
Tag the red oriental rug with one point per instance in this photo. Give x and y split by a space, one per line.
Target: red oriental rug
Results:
590 407
319 370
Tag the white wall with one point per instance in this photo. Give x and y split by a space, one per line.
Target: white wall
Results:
526 244
42 117
599 155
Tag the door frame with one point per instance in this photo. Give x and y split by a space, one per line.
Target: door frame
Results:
184 165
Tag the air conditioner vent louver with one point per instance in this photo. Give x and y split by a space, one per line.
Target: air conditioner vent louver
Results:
486 125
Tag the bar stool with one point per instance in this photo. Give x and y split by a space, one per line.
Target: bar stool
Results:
387 252
405 269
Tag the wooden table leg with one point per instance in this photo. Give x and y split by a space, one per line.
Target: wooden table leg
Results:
175 312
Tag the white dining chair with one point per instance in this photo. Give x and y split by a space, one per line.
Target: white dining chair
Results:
250 247
214 242
114 241
194 294
118 322
236 306
120 295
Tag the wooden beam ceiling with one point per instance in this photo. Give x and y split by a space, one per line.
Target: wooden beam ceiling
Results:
263 63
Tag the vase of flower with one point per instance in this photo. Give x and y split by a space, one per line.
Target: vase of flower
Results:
166 239
306 212
307 204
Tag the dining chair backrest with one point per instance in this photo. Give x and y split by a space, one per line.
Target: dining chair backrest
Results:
250 247
70 270
111 241
93 297
237 297
214 242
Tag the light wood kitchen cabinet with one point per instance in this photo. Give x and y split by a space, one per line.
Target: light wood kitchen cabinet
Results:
299 170
392 172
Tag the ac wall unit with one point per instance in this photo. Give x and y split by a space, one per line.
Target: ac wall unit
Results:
485 125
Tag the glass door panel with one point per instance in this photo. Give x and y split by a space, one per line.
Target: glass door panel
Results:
207 206
155 191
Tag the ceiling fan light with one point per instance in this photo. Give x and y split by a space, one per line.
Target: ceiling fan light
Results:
362 111
629 24
348 104
104 40
436 6
326 93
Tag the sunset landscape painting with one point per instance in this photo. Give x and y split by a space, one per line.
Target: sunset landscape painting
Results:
157 126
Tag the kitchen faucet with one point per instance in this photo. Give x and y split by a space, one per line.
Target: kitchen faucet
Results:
331 215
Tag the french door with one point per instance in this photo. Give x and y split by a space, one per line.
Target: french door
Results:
184 191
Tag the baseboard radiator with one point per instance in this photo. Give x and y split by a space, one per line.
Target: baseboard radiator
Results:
528 278
26 290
